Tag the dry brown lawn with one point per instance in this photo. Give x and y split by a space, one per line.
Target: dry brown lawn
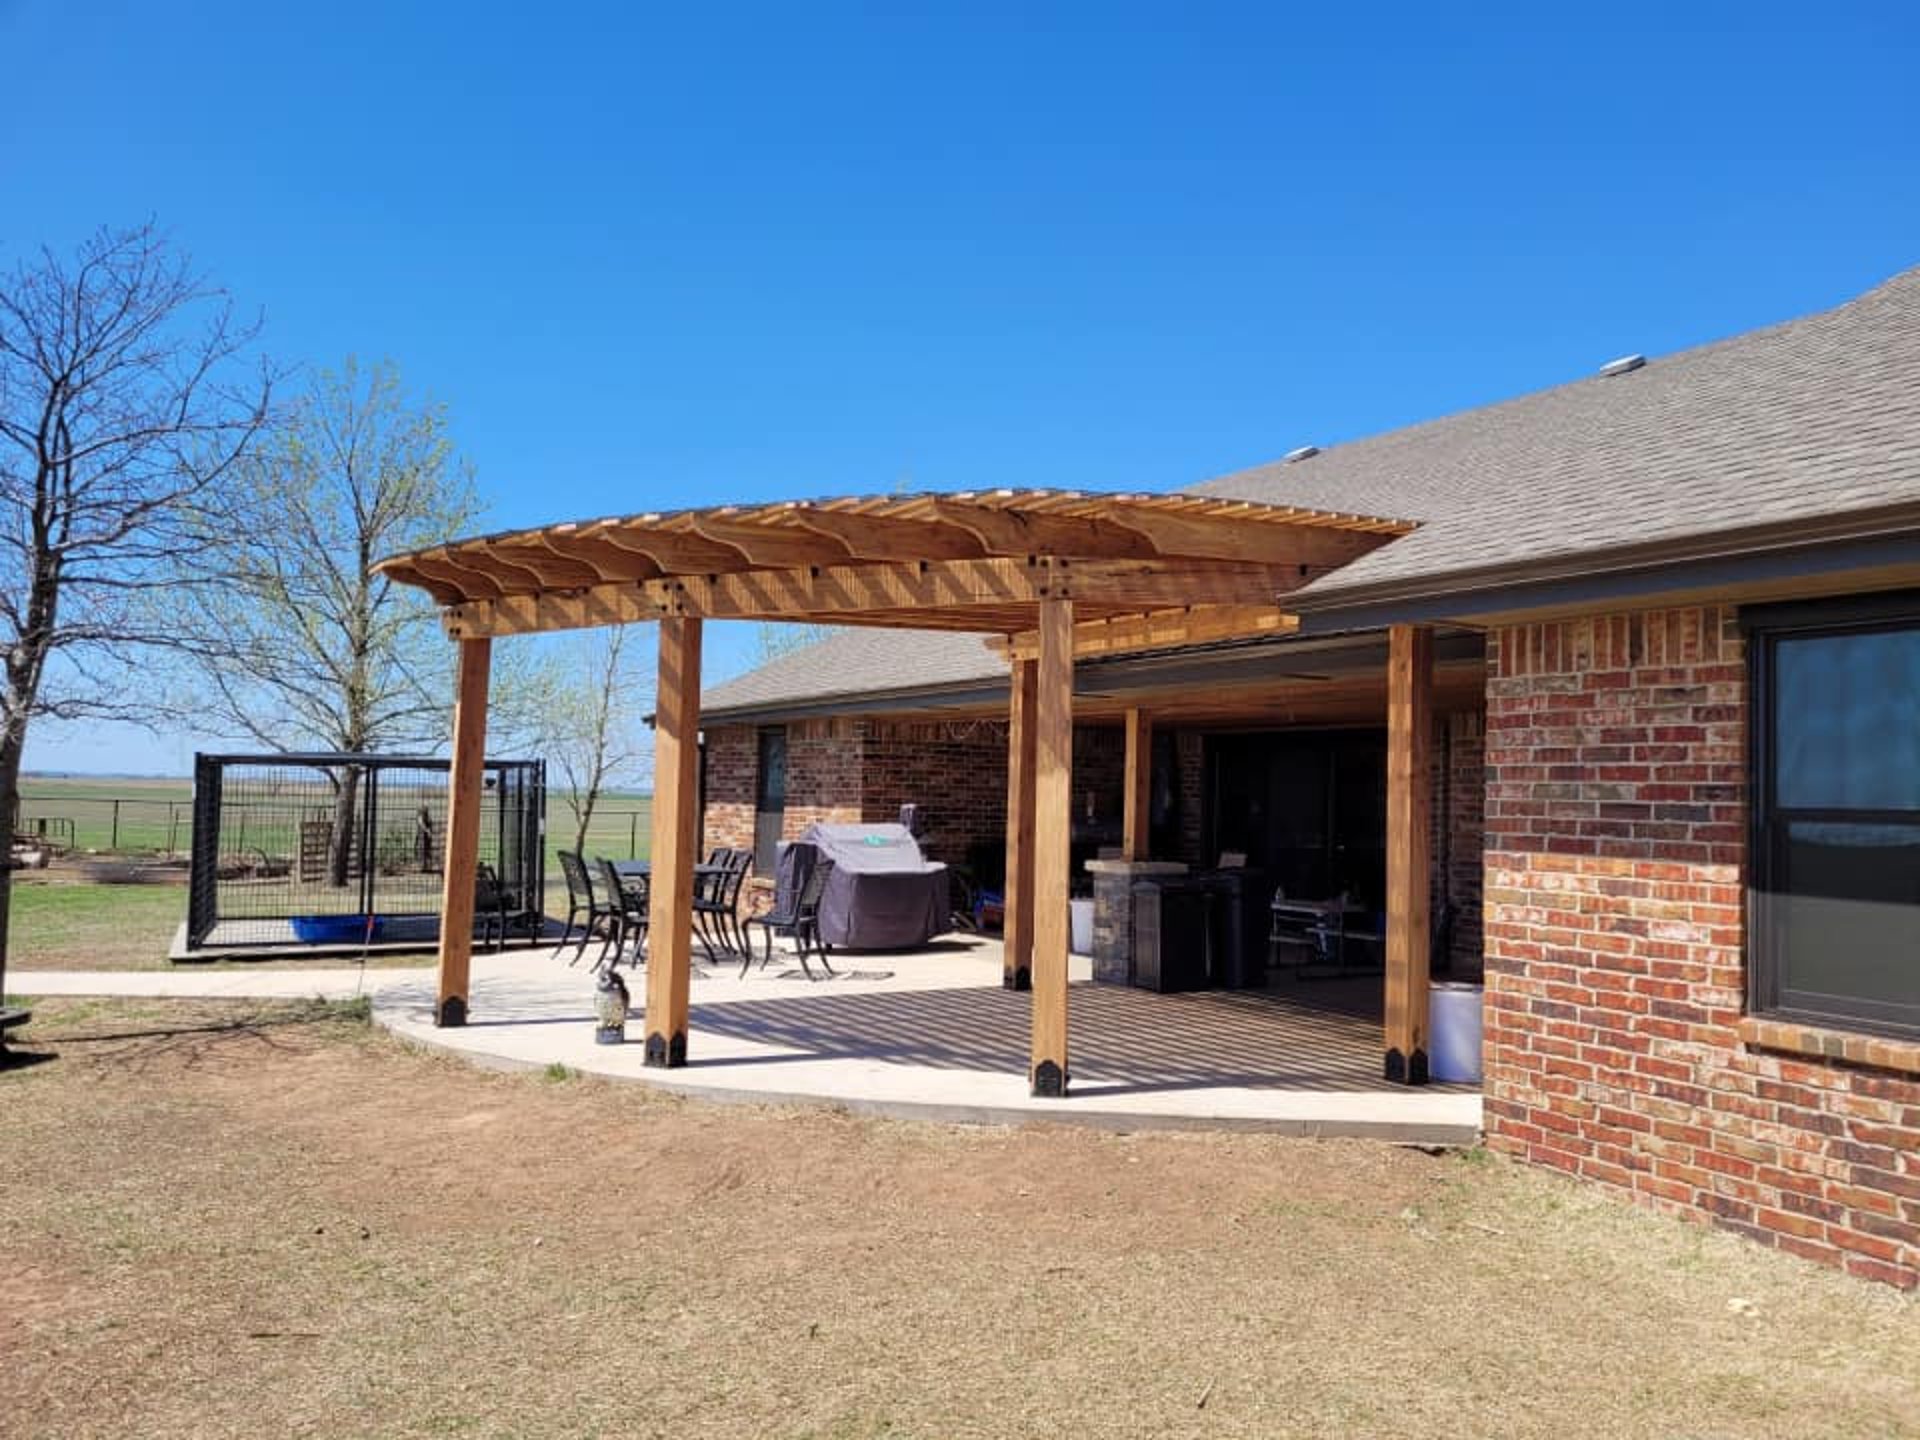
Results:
218 1221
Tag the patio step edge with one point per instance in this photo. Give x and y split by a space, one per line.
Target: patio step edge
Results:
1081 1113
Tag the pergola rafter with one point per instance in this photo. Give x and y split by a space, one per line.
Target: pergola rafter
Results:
1044 575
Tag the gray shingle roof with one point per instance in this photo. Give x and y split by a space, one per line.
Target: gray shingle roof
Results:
855 661
1813 417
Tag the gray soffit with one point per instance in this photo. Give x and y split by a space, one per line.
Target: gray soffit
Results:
1221 666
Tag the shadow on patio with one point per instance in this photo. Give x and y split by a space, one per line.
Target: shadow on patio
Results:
1311 1036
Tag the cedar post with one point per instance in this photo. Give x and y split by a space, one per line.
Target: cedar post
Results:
463 829
1017 926
1137 806
1409 814
676 801
1052 836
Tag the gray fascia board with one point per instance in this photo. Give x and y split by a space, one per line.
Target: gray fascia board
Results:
1613 587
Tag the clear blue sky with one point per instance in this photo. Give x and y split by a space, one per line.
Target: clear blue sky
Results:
655 256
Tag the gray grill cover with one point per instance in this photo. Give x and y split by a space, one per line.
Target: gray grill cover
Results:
883 894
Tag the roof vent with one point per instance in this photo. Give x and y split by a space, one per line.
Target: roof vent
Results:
1305 452
1624 365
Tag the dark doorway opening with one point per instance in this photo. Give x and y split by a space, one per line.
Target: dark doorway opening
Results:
1307 808
770 799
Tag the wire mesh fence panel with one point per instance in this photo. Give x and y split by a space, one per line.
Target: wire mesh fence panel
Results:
344 849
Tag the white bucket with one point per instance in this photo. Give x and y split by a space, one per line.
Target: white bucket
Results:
1080 926
1454 1021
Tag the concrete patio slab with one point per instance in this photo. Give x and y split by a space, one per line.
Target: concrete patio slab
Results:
929 1035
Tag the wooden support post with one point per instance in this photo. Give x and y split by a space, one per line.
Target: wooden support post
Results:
1017 926
1052 833
1137 805
1409 814
676 804
463 829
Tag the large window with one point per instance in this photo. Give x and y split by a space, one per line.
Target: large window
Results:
770 799
1835 912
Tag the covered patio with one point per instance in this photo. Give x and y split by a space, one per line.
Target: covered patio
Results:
1049 578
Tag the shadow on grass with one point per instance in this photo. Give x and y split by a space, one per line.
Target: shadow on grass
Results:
190 1041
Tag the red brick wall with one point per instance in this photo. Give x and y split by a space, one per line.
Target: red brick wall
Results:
732 758
823 773
855 769
1190 755
1100 774
954 770
1615 847
844 770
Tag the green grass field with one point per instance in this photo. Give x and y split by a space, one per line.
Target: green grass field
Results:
93 927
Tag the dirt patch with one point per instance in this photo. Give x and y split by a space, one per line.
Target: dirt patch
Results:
241 1221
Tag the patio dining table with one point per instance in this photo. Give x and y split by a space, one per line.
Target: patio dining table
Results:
643 870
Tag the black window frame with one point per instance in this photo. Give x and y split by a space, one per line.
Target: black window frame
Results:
769 740
1764 627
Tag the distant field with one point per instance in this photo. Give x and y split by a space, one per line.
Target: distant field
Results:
157 816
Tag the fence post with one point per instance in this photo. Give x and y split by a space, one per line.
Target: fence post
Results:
633 836
113 843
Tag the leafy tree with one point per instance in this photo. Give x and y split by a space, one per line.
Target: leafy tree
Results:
128 396
299 644
302 645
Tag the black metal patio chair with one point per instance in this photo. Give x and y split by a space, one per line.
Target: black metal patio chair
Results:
498 907
795 913
627 902
581 900
716 903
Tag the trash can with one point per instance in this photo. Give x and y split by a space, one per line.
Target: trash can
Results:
1080 926
1241 899
1454 1021
1170 941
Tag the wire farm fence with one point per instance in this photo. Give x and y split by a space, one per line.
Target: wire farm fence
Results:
123 824
131 824
623 832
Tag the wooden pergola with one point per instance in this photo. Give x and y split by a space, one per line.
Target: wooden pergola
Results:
1046 575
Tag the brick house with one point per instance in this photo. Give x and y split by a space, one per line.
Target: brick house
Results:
1674 758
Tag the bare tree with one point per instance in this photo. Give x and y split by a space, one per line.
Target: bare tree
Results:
126 400
593 734
298 643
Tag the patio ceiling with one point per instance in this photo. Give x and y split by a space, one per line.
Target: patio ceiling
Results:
1142 571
